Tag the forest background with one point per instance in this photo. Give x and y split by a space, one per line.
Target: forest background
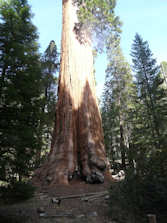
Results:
134 110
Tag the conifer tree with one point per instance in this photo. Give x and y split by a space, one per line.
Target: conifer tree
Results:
149 119
50 66
146 73
117 101
144 188
20 90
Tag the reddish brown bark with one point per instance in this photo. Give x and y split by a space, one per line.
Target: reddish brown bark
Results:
78 137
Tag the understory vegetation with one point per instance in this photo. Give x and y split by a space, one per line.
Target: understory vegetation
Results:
134 119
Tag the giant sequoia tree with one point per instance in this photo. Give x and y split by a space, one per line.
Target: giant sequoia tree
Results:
77 142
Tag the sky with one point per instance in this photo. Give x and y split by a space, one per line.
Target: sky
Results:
146 17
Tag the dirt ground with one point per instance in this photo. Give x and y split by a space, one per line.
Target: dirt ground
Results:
71 210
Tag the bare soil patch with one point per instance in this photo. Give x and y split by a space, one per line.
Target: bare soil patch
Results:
41 209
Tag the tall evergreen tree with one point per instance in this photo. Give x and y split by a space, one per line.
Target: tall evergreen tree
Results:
144 188
50 66
146 73
149 119
20 90
117 101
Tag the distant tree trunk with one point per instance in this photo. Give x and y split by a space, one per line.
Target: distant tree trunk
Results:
122 147
77 142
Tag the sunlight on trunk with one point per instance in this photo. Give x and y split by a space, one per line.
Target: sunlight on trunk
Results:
78 137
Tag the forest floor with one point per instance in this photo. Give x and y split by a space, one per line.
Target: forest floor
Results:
90 206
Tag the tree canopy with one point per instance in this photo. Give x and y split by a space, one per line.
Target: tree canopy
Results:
98 17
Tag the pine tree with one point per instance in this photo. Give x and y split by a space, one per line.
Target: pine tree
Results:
50 66
117 102
144 188
149 129
146 73
20 90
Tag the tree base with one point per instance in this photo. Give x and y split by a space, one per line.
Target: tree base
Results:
42 178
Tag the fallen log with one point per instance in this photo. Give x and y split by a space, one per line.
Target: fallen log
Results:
79 195
94 197
57 215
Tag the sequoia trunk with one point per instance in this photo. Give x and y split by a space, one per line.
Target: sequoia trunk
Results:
77 142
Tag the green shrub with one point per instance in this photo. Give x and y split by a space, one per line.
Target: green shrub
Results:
137 196
17 191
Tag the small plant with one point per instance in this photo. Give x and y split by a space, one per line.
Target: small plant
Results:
137 196
17 191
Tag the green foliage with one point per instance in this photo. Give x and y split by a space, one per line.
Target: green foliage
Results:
20 90
99 19
144 189
117 101
27 92
145 67
50 66
17 191
134 121
150 96
136 197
